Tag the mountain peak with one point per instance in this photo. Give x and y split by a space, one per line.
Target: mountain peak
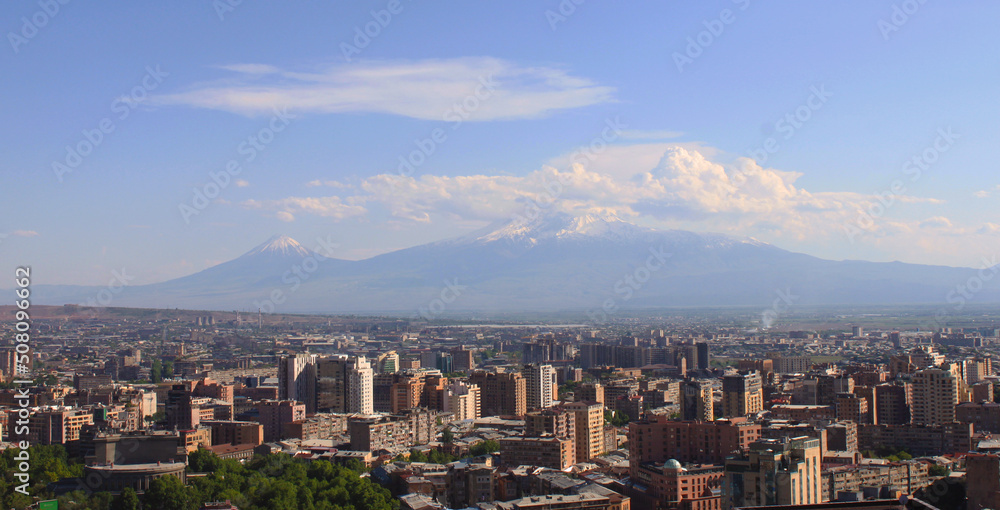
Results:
279 244
560 225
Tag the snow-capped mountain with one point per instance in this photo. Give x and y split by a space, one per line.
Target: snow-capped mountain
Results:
606 227
279 244
551 262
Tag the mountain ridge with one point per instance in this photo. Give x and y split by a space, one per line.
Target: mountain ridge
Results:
552 262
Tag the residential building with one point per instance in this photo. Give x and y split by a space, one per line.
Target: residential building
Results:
775 472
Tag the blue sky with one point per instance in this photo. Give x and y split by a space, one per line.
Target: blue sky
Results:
181 90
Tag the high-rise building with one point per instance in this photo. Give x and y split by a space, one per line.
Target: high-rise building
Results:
983 474
871 398
696 401
463 401
359 386
541 386
551 452
501 393
852 408
464 360
276 415
297 379
387 363
557 421
935 395
589 425
742 394
658 439
776 472
56 426
704 358
344 384
382 392
589 391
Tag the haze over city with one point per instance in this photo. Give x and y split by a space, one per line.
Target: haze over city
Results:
556 255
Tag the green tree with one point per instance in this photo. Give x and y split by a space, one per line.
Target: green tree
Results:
168 370
127 500
484 447
447 436
167 493
937 470
156 373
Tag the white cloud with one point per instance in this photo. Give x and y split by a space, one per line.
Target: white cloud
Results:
422 89
329 183
665 185
24 233
328 207
242 183
986 193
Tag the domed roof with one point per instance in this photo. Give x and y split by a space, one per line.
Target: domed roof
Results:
672 464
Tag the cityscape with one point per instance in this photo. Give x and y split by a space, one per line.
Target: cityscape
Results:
557 255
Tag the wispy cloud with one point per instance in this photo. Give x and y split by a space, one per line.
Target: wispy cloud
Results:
986 193
423 89
329 207
329 183
24 233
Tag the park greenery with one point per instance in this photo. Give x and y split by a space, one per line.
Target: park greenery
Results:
265 482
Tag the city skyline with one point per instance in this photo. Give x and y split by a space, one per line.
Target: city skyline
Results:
783 123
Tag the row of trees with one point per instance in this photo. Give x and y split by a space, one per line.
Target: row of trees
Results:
266 482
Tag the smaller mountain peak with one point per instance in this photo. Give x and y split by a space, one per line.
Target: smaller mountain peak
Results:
280 244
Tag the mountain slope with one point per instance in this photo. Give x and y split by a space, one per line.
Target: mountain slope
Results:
553 262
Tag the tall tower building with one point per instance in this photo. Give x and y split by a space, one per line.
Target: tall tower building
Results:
742 394
697 402
776 472
344 385
462 400
704 358
589 425
359 386
541 386
297 380
501 394
387 363
935 395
